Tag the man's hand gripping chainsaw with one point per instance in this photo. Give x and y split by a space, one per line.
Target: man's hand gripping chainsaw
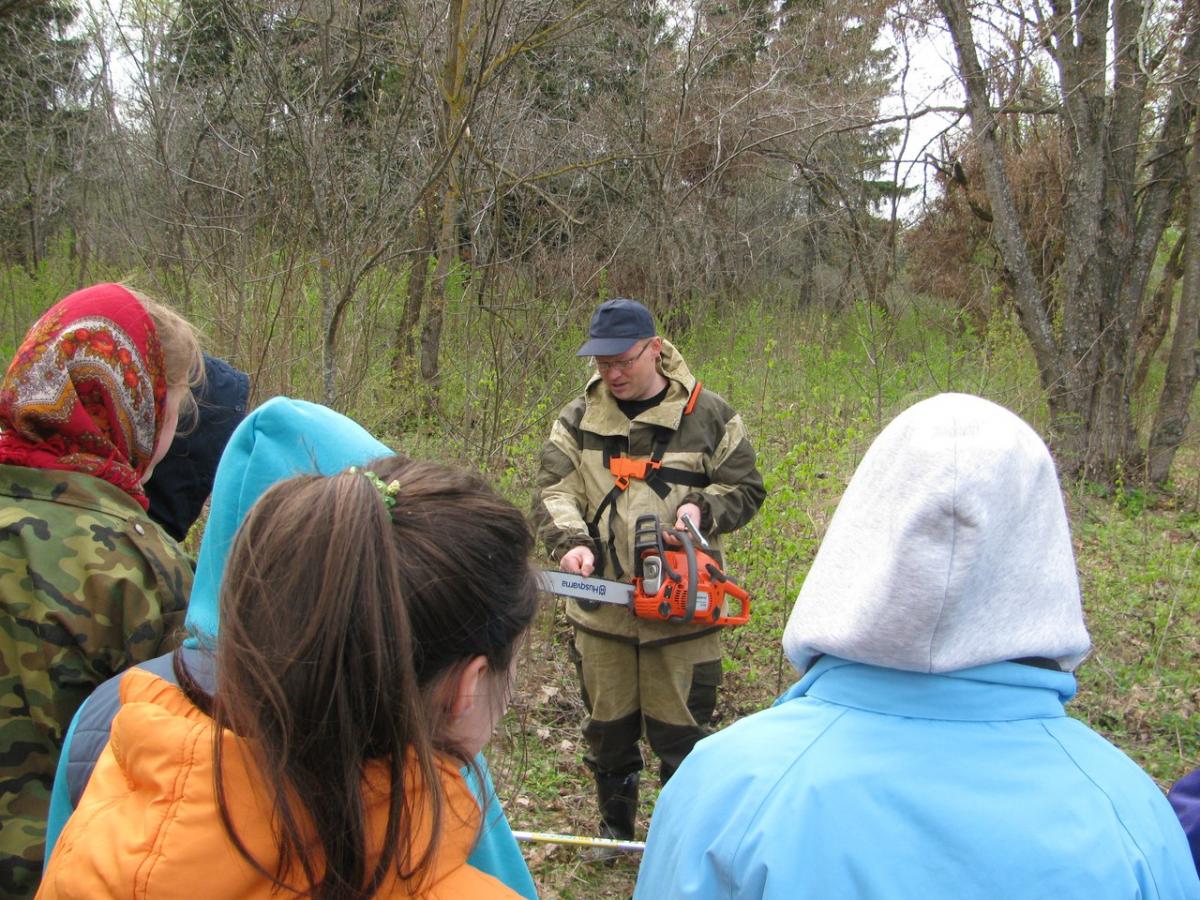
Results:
684 585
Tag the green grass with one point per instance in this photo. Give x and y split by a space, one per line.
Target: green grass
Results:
1140 567
814 388
1138 552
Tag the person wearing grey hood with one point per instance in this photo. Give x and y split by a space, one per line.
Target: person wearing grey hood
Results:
925 751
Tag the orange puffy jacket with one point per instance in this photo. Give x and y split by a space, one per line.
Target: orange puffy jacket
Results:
147 825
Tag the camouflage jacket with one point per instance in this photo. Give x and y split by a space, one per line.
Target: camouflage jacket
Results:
89 586
574 479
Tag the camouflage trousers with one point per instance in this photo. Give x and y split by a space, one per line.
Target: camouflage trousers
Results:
26 777
667 691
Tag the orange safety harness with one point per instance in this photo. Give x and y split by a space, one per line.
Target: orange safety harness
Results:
624 469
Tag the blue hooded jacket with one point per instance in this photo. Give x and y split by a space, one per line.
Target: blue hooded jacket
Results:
925 751
871 782
280 439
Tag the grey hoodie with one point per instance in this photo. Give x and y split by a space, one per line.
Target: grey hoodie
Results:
950 549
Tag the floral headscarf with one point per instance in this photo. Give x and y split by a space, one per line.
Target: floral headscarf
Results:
86 391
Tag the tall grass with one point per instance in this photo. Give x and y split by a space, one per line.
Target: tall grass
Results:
814 386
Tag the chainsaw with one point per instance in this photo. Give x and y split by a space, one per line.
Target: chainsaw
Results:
685 585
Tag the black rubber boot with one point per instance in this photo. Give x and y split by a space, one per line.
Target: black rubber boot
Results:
618 797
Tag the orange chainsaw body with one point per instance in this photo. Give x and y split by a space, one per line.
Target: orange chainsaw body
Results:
685 585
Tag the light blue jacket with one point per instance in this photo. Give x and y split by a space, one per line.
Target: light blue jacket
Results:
280 439
876 783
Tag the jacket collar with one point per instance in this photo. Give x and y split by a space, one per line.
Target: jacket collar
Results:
968 695
69 489
603 416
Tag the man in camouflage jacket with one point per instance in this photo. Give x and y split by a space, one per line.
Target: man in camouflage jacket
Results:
89 586
637 674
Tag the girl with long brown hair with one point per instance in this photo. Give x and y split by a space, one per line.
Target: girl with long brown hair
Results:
369 623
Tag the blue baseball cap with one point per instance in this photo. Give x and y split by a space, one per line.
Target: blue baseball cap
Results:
616 326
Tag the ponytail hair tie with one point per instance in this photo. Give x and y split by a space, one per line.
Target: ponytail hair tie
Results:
387 491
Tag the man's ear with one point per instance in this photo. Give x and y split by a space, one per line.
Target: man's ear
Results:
465 686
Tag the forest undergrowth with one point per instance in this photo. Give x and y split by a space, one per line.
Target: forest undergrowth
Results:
814 386
814 394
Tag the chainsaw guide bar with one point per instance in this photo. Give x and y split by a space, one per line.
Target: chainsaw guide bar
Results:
580 587
685 585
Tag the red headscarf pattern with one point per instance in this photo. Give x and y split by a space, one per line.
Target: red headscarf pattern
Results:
86 391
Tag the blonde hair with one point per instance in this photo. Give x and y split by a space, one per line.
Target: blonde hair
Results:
182 356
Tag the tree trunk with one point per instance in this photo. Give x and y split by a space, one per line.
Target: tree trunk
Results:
34 258
1070 428
328 333
1156 319
414 301
431 332
1114 211
1171 418
454 108
404 346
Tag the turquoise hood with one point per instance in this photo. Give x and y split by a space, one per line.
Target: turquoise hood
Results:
280 439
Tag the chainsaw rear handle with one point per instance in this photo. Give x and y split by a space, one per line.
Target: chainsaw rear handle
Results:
735 590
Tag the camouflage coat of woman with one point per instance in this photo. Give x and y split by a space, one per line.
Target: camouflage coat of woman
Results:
89 585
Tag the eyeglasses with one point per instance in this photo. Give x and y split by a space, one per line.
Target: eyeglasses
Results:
621 364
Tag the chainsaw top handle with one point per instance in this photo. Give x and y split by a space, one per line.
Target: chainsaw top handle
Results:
690 549
648 535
